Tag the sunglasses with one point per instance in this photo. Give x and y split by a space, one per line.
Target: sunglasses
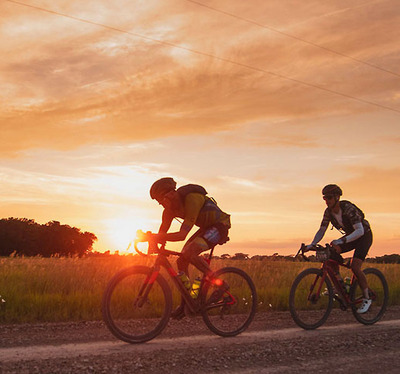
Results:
327 197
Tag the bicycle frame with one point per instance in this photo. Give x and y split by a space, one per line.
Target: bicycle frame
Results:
328 267
162 262
310 282
127 300
328 271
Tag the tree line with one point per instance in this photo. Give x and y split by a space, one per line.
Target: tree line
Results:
25 237
385 259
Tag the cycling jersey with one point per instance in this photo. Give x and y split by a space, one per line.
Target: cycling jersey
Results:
356 228
351 215
202 211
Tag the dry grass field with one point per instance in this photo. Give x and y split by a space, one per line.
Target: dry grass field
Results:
70 289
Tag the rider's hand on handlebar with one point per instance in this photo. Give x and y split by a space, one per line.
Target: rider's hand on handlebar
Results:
335 245
149 237
142 236
146 237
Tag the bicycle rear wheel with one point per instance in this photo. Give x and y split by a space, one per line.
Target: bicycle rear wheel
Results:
311 299
379 293
229 310
133 310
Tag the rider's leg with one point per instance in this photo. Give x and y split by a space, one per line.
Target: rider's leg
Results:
191 253
183 264
206 240
356 264
361 246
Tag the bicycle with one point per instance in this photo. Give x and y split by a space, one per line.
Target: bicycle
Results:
137 302
312 295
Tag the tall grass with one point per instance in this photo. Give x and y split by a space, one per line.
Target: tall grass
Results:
70 289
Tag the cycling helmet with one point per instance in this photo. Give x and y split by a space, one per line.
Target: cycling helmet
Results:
332 189
162 187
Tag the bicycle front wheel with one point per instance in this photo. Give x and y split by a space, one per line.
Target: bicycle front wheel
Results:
311 299
135 309
228 310
378 292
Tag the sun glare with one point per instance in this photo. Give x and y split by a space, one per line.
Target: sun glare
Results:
121 231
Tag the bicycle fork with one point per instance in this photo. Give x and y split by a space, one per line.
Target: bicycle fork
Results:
145 289
314 296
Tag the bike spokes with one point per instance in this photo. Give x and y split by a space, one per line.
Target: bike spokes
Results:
378 293
310 299
229 307
134 310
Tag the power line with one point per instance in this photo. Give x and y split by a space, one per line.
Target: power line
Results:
294 37
207 55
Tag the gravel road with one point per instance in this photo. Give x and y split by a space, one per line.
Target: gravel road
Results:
272 344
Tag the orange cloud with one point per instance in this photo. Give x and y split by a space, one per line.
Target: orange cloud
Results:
70 83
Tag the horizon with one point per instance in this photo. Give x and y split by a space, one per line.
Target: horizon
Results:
260 105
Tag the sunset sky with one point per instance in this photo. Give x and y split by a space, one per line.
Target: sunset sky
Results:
261 102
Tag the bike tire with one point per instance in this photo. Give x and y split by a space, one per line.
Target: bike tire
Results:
124 318
380 297
310 314
236 307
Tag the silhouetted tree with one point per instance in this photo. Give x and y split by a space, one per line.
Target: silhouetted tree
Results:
24 236
240 256
385 259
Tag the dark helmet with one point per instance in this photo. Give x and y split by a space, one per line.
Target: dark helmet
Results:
332 189
161 187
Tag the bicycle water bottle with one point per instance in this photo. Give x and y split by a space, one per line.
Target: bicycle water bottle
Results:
185 280
194 292
347 283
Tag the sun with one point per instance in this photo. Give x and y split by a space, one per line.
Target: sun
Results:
121 231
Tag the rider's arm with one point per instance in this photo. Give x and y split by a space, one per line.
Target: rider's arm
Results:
166 222
163 234
319 235
192 206
357 233
174 236
356 220
322 229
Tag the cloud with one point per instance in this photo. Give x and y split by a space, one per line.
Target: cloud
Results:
68 83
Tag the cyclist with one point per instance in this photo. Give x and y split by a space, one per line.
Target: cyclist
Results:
190 203
350 221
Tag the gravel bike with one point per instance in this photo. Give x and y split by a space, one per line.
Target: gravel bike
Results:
312 294
137 302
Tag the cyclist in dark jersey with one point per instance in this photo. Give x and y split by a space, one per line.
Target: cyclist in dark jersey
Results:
348 219
191 204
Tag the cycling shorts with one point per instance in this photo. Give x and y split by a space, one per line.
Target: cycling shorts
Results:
361 246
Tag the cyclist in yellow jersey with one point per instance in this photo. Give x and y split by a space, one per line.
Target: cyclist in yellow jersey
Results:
191 204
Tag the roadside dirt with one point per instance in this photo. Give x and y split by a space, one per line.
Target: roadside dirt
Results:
272 344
